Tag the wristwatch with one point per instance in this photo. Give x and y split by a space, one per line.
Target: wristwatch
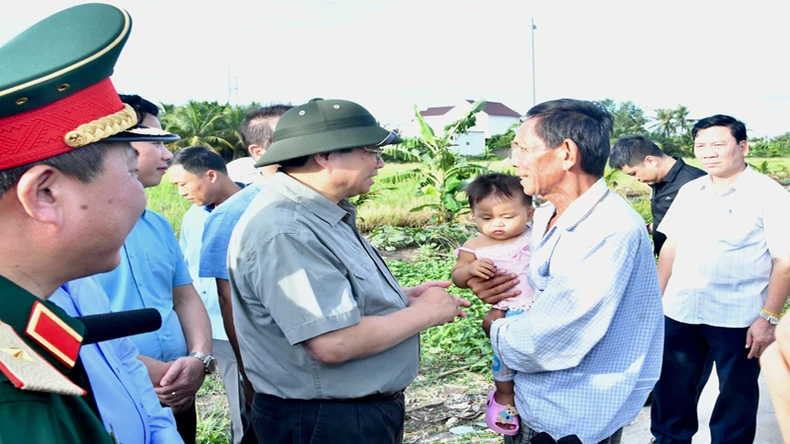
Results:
209 363
773 320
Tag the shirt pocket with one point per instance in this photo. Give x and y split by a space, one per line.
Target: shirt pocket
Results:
162 272
374 296
738 228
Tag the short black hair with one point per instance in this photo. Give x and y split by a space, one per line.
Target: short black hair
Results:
588 124
84 164
496 184
199 159
140 106
256 129
630 151
737 128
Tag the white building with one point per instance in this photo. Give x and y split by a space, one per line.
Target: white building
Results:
495 118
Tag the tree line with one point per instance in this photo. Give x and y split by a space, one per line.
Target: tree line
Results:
216 126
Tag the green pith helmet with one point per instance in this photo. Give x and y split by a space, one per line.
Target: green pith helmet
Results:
320 126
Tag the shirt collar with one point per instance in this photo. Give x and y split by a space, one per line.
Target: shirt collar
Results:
673 172
311 199
580 208
742 182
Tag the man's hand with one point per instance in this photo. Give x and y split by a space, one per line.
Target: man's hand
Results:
498 288
482 268
182 380
156 369
443 306
415 292
775 363
249 390
759 336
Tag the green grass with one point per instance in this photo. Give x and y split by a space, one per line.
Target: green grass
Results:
164 199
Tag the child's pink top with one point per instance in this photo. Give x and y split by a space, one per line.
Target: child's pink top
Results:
513 257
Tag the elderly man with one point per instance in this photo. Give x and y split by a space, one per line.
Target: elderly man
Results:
330 339
69 195
588 352
725 275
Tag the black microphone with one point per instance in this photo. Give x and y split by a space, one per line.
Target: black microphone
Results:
107 326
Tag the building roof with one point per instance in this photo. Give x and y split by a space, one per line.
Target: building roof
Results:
436 111
492 109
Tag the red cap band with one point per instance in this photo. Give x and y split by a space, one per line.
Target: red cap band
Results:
39 134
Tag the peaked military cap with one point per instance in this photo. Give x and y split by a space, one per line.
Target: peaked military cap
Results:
320 126
55 91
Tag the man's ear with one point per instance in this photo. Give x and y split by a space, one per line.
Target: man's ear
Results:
569 154
41 193
212 176
256 151
650 161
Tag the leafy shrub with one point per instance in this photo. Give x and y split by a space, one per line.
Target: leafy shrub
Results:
446 236
459 343
643 208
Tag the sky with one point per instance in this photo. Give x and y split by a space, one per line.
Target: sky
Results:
390 55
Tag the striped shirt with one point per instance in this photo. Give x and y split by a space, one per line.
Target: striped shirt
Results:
725 248
589 351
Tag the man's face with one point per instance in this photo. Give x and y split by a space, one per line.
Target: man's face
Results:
152 158
198 189
646 172
353 172
105 210
535 163
719 153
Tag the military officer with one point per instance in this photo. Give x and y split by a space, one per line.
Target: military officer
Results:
69 195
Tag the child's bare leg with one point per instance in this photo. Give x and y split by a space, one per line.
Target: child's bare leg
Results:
505 396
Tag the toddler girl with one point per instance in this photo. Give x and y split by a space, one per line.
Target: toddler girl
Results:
502 212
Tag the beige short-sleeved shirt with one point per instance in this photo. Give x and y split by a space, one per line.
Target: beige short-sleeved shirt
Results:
299 268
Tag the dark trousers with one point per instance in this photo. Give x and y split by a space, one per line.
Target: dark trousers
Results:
186 423
674 411
296 421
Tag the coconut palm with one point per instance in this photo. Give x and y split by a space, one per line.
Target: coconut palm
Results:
665 121
199 123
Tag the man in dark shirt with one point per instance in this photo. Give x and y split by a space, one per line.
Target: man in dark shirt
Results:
641 159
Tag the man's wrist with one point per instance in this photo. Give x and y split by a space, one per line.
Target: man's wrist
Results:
770 317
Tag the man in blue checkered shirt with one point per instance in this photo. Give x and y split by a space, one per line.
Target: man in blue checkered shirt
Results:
588 353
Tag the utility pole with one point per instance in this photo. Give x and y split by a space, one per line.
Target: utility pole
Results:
534 97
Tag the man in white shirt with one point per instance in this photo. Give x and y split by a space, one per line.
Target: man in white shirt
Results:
725 276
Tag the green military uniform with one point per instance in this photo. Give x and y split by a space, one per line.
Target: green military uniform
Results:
55 96
38 350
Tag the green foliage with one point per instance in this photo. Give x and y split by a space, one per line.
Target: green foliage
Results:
208 124
643 208
446 236
459 343
628 118
214 427
778 146
501 141
442 172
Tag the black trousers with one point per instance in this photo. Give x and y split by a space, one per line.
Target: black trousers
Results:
186 423
377 420
674 411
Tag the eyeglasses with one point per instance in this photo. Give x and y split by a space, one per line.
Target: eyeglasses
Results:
376 151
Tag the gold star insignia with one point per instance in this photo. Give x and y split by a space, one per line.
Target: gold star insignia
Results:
18 353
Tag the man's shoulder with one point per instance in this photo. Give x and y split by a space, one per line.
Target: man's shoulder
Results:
151 220
234 207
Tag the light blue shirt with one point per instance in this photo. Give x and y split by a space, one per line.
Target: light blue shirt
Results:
589 351
151 265
217 230
124 394
190 242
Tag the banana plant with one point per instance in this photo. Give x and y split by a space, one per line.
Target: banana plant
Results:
442 172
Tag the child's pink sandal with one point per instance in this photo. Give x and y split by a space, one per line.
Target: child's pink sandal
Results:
497 414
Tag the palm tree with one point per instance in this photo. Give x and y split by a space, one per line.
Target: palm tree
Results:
681 119
665 121
199 123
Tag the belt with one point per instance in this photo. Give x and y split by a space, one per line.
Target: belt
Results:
378 397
